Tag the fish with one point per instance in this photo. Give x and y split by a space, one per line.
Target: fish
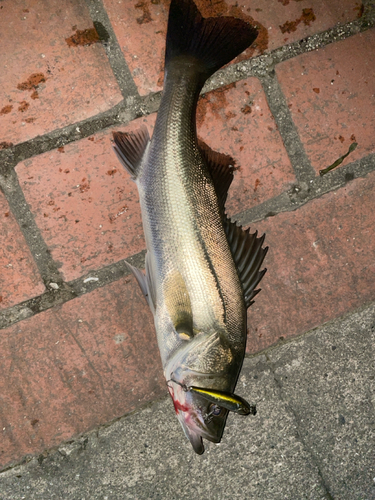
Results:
201 268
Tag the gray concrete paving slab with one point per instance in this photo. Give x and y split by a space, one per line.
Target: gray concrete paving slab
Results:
312 438
327 380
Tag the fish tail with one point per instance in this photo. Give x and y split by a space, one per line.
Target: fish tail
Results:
213 41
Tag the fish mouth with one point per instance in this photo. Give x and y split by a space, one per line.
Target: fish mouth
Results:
202 412
196 434
195 428
199 418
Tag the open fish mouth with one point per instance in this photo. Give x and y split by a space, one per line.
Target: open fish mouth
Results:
195 433
202 412
198 418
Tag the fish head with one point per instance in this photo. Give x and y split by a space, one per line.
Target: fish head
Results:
201 377
199 417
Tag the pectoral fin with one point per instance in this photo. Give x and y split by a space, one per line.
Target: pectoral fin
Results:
178 304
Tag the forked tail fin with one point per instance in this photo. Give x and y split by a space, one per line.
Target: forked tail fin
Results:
214 41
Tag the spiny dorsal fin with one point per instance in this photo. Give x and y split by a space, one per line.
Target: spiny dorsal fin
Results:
130 148
248 256
221 169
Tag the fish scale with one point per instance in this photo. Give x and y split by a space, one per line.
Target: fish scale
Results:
186 208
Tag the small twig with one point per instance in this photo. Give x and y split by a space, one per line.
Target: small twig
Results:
340 160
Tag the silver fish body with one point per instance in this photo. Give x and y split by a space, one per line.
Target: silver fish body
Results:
193 283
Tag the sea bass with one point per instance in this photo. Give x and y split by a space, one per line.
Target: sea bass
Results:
201 268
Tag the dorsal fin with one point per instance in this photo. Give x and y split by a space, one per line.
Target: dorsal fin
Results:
178 304
221 169
248 256
130 148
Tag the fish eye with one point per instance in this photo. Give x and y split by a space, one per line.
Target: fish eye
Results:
214 409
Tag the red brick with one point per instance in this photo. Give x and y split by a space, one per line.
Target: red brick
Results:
141 41
288 21
236 120
19 276
320 264
141 28
74 82
331 97
75 367
84 203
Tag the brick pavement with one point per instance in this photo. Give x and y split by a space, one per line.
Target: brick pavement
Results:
77 343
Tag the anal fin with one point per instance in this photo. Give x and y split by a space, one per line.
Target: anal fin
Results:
248 256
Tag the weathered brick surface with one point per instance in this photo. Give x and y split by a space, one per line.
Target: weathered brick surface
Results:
75 367
320 264
49 80
237 121
84 203
331 97
279 21
19 276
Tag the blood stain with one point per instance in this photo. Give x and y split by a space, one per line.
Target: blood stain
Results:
178 406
